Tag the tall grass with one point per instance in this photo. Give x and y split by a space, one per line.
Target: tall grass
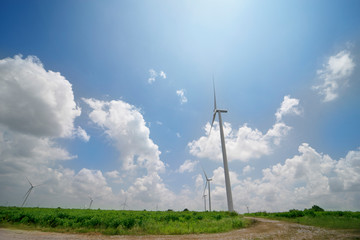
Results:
120 222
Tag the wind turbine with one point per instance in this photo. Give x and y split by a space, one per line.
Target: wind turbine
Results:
29 191
204 196
91 201
226 167
208 185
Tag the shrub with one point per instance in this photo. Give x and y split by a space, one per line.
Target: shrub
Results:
128 223
316 208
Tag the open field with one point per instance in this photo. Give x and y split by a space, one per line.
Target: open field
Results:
112 222
311 217
262 229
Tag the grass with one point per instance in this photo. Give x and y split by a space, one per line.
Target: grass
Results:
324 219
112 222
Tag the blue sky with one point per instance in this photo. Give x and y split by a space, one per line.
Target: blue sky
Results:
113 100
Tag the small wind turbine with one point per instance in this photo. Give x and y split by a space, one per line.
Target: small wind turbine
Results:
247 207
124 204
226 167
208 185
91 201
29 191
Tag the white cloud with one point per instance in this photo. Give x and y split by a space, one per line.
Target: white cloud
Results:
81 133
124 124
178 135
153 75
244 143
218 177
126 128
91 182
113 174
302 181
199 181
247 169
35 101
334 75
288 106
181 94
188 166
162 74
36 108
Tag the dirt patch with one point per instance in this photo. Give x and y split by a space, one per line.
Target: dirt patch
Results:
261 229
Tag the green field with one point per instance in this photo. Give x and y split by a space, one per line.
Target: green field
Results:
316 216
120 222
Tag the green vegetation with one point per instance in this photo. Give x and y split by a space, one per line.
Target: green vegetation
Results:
316 216
120 222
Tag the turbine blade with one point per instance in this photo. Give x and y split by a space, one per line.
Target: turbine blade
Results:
212 122
29 181
204 172
205 175
205 187
27 192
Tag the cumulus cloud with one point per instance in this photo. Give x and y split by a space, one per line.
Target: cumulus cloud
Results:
91 182
81 133
288 106
247 169
126 128
188 166
153 75
36 108
181 94
124 124
243 143
304 180
113 174
35 101
334 75
199 181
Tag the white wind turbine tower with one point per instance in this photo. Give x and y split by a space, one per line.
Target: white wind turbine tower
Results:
226 168
208 185
29 191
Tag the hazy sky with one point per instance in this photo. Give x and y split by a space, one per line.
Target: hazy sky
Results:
113 100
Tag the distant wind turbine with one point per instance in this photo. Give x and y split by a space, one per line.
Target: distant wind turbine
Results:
91 201
208 185
29 191
204 196
226 167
